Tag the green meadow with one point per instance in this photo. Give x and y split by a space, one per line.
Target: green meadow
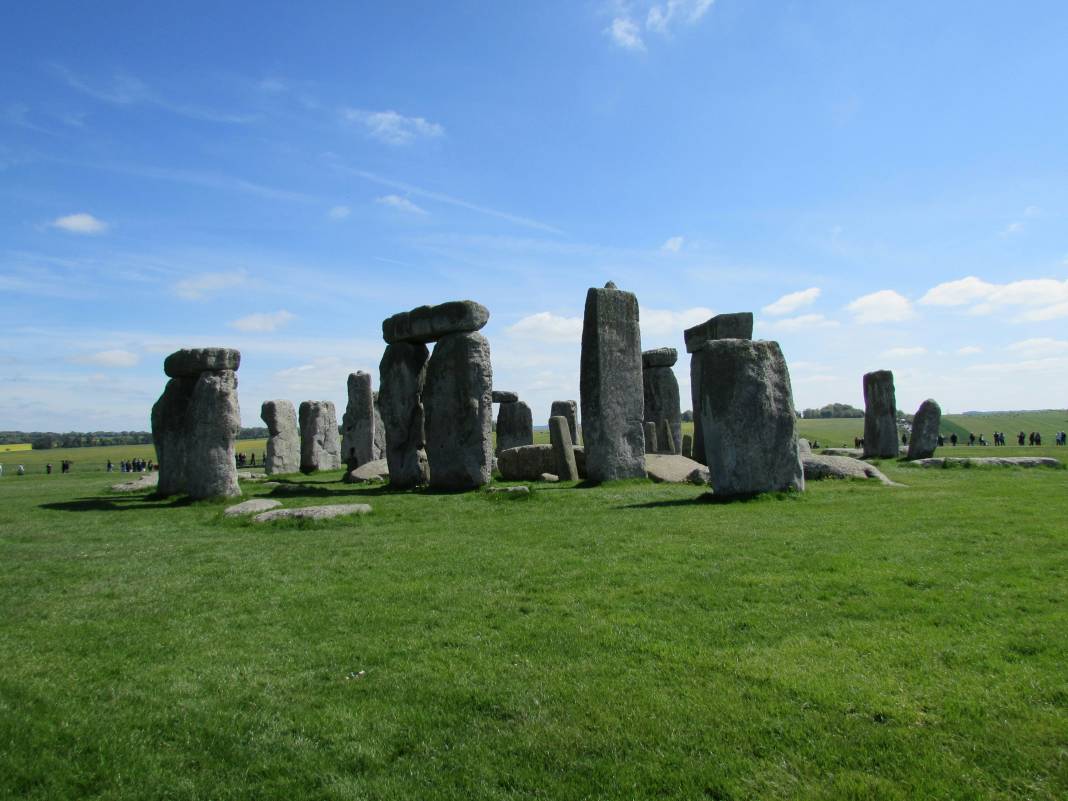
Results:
631 640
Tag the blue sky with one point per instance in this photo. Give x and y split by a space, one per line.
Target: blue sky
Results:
884 184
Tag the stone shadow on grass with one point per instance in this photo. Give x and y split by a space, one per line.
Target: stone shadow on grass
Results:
716 500
125 504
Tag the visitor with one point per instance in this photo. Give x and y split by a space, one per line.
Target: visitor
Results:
21 470
953 439
904 438
971 439
48 469
982 441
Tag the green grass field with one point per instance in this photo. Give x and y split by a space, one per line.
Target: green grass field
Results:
626 641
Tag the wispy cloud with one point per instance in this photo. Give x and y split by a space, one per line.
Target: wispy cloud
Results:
904 352
204 285
884 306
263 323
391 127
80 223
1039 347
673 245
804 322
548 327
400 204
338 212
792 302
109 358
661 18
1036 299
969 350
625 32
667 322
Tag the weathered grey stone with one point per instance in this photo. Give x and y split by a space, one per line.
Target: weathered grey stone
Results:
252 506
651 444
358 422
925 426
675 469
526 463
191 362
515 426
283 440
402 373
147 481
377 470
430 323
194 425
320 443
748 418
503 396
665 438
737 325
610 385
508 490
803 446
324 512
659 357
880 415
458 399
563 449
820 466
660 390
989 461
687 446
379 450
549 478
568 409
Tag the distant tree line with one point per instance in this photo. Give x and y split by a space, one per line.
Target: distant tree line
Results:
46 440
832 410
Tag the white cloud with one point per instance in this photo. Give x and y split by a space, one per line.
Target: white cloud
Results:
673 245
109 358
1012 229
1038 347
400 203
1040 298
666 323
625 33
263 323
339 212
205 284
1032 211
969 350
904 353
393 128
804 322
793 301
548 327
662 16
884 306
80 223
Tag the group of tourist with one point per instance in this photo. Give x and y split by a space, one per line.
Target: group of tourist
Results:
248 460
64 467
133 465
1022 439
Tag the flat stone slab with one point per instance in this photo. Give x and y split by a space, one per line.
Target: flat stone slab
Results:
325 512
820 466
430 323
738 325
508 490
660 357
251 506
675 469
147 481
378 470
852 453
503 396
990 461
191 362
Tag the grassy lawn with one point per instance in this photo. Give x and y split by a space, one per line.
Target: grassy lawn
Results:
626 641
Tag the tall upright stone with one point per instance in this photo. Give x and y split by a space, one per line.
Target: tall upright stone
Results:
564 465
320 443
748 418
380 432
515 425
358 422
735 325
402 374
458 402
569 410
687 445
283 440
925 426
665 438
661 392
880 415
651 443
610 385
195 422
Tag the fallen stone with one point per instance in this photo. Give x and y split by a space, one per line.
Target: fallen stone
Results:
568 409
508 490
989 461
402 374
252 506
610 381
852 453
191 362
550 478
880 415
320 443
737 325
283 437
502 396
314 512
370 472
659 357
526 463
820 466
358 422
147 481
925 426
431 323
562 448
515 425
675 469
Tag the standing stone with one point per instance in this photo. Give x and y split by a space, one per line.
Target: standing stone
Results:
661 392
610 384
568 409
687 446
504 396
402 374
380 432
458 398
737 325
358 422
650 438
563 448
665 437
430 323
320 444
748 418
880 415
515 426
195 422
925 426
283 441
